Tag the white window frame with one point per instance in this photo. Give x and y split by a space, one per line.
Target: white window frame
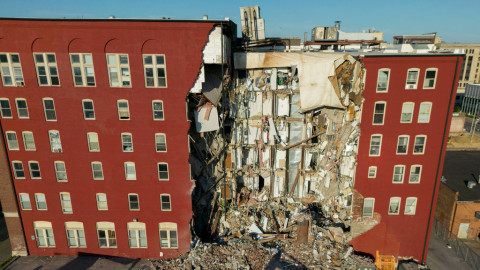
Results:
126 145
55 144
45 110
413 205
93 142
6 112
387 82
412 173
169 203
406 146
30 163
21 110
59 172
11 67
131 202
28 144
66 202
158 111
12 140
83 66
169 228
38 201
425 82
425 112
123 112
158 142
401 174
93 163
379 146
44 232
25 203
121 79
393 200
155 67
128 166
102 205
423 145
108 229
409 83
375 113
406 112
16 171
158 172
88 110
50 69
74 231
372 172
364 214
136 233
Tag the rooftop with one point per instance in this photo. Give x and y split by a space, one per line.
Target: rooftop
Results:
459 168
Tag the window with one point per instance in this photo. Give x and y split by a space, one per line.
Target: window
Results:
412 78
88 111
18 171
133 203
160 142
127 143
398 173
407 112
383 78
415 173
379 113
162 171
22 109
123 110
394 207
66 203
60 171
402 145
130 173
34 168
82 69
419 147
28 141
102 204
11 69
137 235
155 70
46 65
106 235
25 201
12 141
165 202
97 171
168 235
55 143
157 108
118 70
75 235
375 145
368 204
5 109
424 112
40 201
49 109
44 234
372 171
93 144
430 78
410 206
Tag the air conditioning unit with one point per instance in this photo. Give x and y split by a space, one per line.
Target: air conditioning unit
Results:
477 214
411 86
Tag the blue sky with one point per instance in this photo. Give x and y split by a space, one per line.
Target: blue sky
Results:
454 21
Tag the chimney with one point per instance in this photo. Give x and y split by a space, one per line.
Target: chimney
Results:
337 24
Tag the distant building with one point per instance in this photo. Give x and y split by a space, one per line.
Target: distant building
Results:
417 39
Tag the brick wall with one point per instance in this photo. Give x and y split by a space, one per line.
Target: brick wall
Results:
445 205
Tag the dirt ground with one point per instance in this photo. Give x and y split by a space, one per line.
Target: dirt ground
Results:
463 140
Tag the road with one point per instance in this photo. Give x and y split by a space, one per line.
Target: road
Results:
440 257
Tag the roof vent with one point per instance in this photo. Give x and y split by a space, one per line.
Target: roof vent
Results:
205 17
471 184
111 17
